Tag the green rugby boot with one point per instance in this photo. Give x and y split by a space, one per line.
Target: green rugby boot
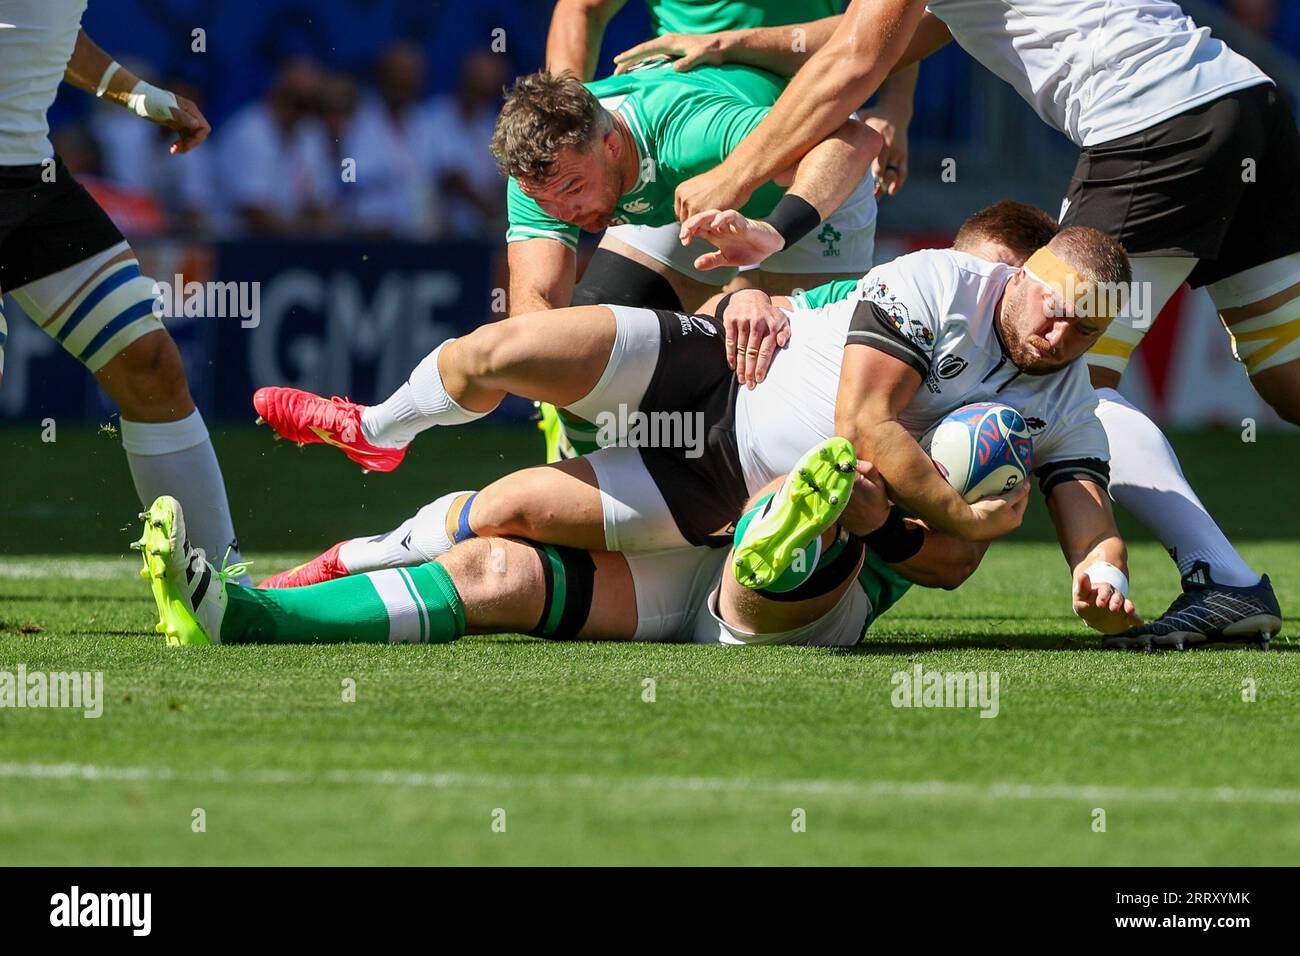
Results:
812 499
189 592
552 429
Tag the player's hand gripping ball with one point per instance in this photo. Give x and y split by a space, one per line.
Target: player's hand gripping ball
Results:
981 450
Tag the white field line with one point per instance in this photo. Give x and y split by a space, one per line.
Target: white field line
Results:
106 568
70 568
858 789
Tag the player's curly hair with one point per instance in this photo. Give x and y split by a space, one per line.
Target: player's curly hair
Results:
1020 227
543 114
1096 256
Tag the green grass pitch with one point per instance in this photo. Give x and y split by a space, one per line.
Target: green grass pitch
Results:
744 756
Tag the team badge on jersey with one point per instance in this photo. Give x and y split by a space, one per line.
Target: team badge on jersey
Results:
636 206
950 366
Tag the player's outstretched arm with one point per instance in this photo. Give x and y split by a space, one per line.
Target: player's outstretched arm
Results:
781 50
1098 558
874 389
835 81
577 28
93 70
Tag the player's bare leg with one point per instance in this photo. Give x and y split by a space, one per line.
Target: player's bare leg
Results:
101 311
1266 338
558 504
480 586
556 356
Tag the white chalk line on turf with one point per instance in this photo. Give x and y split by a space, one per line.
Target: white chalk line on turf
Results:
858 789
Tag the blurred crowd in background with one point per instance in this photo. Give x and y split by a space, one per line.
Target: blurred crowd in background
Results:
321 83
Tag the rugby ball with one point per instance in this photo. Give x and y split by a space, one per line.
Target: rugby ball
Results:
981 450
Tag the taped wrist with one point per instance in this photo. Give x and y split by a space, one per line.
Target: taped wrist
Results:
793 218
108 75
150 102
895 540
570 576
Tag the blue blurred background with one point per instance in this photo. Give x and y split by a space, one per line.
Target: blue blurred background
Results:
357 280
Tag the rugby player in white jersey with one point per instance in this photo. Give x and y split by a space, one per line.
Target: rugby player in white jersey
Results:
1188 155
662 507
69 268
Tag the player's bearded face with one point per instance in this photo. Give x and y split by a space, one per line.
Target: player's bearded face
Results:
1037 336
583 188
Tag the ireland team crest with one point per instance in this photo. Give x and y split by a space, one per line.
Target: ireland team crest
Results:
828 237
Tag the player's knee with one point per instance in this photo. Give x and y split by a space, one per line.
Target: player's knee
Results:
488 570
513 507
961 563
485 352
954 575
147 379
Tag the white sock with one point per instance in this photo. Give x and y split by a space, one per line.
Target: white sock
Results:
417 405
1145 478
177 459
416 540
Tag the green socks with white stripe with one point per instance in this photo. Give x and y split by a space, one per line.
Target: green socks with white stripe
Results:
418 605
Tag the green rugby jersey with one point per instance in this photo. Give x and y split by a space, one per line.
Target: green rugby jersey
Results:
714 16
825 294
684 124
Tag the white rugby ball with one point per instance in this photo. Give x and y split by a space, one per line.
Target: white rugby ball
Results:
982 450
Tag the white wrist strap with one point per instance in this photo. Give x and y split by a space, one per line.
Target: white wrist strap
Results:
1102 572
108 75
150 102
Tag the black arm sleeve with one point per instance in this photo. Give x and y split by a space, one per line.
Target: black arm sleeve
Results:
871 325
1076 469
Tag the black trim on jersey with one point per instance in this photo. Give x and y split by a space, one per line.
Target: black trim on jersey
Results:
1076 469
872 326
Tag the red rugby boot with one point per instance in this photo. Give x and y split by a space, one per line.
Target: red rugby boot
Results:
309 419
323 567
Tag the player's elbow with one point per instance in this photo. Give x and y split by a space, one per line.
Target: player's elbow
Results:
960 561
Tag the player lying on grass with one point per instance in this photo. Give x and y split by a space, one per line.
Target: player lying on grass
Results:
495 585
654 499
623 367
1171 115
800 573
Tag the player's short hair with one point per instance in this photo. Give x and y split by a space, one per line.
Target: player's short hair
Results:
1020 227
542 114
1096 256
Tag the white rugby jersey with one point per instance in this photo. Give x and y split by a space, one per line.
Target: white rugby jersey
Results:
36 42
1098 70
935 310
